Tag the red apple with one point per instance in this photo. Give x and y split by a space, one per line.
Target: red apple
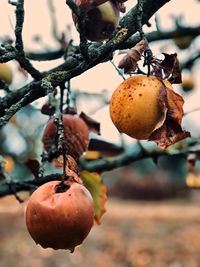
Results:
60 216
100 20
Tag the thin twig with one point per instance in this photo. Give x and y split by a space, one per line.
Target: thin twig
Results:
117 69
81 20
52 12
191 111
19 46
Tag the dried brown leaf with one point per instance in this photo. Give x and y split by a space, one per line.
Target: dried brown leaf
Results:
171 131
171 68
176 73
71 163
168 68
129 61
94 126
156 68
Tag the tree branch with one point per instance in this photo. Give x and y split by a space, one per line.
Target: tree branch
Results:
134 154
5 187
159 36
19 46
63 73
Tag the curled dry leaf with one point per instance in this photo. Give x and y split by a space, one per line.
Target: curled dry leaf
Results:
71 163
129 61
171 131
171 68
168 68
94 183
71 167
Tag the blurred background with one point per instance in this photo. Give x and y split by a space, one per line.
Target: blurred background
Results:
153 206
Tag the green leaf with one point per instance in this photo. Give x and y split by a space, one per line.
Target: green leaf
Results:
94 183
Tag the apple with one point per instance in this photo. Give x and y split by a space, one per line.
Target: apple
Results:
6 74
135 108
60 216
76 135
100 20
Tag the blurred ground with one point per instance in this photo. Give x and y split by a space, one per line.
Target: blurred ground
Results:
139 234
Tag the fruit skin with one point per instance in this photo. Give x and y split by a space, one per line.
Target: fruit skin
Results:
100 20
76 135
6 74
135 108
60 220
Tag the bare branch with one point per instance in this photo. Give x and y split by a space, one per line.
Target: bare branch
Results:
19 46
103 53
134 154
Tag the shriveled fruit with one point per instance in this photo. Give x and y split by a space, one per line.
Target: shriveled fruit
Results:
60 216
6 74
76 135
135 108
100 20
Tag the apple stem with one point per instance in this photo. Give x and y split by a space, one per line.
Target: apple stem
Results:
148 55
62 147
62 187
68 94
64 150
62 89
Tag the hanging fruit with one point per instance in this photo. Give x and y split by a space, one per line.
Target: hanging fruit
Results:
76 133
100 20
60 215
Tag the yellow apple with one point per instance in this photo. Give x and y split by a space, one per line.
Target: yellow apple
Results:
6 74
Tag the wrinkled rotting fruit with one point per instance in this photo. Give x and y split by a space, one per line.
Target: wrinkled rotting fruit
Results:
134 106
100 21
76 135
60 216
